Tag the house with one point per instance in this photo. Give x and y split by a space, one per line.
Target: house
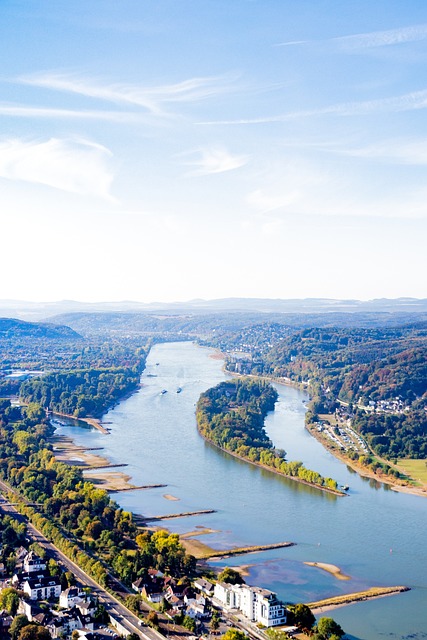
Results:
33 563
137 585
70 596
258 605
5 622
152 592
205 586
42 587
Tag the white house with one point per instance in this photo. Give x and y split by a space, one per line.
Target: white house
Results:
69 597
33 563
258 605
42 588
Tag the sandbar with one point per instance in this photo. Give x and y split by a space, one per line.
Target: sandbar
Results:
168 496
330 568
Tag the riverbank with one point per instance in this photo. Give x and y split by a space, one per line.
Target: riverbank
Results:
394 485
329 604
65 450
96 423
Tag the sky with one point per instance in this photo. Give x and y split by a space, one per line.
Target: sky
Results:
166 150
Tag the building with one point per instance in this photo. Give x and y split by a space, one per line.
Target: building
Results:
33 563
70 597
256 604
42 587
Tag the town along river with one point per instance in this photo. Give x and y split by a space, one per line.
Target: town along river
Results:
375 535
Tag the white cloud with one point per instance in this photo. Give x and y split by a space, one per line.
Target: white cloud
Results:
400 151
406 102
388 37
20 111
152 99
216 160
385 38
79 167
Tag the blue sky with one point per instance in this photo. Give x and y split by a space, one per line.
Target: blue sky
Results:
177 149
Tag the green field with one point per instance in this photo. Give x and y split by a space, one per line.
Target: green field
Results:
416 469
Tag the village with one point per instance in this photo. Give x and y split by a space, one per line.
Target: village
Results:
38 591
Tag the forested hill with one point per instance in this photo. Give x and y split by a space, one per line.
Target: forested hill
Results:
11 329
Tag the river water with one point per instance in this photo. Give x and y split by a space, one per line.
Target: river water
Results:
375 535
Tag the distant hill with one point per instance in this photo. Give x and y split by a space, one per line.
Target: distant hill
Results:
42 310
11 328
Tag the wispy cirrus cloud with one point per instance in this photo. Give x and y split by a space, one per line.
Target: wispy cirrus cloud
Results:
406 102
397 151
370 40
154 99
22 111
385 38
75 166
214 160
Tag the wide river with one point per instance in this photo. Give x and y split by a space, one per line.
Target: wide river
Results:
375 535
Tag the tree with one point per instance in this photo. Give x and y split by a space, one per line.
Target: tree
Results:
215 620
152 619
231 576
302 616
327 629
18 623
234 634
34 632
9 600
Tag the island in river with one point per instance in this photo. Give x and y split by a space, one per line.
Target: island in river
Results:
231 416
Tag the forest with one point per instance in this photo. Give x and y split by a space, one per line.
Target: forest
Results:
81 393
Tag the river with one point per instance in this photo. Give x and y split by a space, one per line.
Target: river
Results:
375 535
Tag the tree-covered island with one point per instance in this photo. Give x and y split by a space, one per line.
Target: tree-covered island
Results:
231 416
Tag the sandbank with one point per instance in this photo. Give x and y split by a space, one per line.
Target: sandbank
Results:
168 496
330 568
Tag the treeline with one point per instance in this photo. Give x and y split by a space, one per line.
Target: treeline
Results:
231 416
71 511
82 393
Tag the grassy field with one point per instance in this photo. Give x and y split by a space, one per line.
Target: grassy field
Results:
416 469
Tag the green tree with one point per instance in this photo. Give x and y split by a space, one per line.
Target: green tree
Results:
152 619
234 634
9 600
18 623
231 576
34 632
302 616
327 629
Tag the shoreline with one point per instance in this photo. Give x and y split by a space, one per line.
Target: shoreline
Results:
93 422
366 473
65 450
